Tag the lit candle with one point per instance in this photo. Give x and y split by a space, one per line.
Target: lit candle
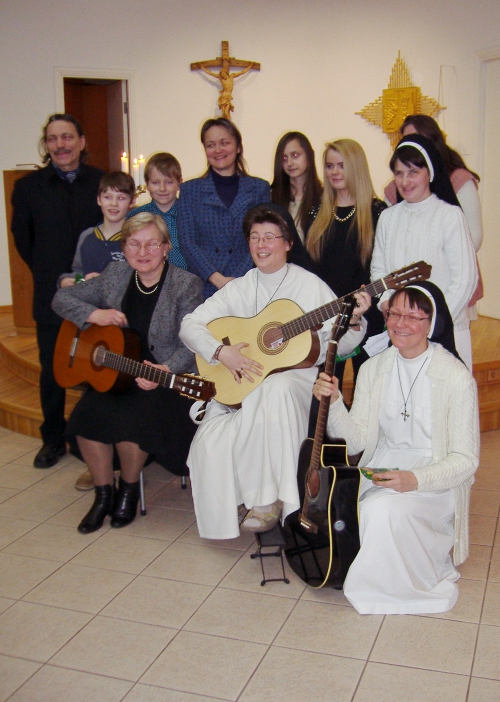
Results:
124 162
142 164
135 173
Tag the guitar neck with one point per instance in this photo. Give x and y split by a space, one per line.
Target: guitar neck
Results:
138 370
331 309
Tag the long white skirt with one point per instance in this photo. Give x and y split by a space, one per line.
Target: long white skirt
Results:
404 565
250 455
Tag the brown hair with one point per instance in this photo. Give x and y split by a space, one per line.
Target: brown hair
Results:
240 164
119 181
166 164
59 117
262 214
280 187
416 300
428 127
141 221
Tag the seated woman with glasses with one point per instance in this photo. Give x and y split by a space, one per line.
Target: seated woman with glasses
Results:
150 296
415 415
248 457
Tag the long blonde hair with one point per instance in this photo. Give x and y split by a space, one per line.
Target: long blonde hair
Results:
359 185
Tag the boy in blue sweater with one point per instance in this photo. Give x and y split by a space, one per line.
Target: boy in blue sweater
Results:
163 178
98 246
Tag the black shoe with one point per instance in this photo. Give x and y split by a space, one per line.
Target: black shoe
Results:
103 505
49 455
126 502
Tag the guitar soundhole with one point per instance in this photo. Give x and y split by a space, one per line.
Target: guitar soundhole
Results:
270 339
97 356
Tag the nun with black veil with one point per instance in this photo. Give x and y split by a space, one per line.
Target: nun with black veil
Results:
415 414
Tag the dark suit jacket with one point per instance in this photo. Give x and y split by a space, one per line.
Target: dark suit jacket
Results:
49 216
180 294
210 234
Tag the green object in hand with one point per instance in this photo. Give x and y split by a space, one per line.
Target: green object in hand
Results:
79 278
369 472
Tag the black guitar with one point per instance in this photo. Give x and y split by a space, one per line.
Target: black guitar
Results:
322 538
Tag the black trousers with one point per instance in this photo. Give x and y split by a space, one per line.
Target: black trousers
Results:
52 396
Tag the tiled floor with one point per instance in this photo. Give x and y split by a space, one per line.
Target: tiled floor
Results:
153 613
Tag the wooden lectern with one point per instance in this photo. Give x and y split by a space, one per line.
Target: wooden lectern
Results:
21 280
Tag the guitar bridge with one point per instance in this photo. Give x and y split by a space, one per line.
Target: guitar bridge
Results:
306 523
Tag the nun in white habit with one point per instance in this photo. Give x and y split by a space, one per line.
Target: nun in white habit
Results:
414 413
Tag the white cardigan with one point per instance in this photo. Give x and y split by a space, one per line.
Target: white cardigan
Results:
455 429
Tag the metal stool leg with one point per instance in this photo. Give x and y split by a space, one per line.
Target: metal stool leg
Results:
141 493
184 482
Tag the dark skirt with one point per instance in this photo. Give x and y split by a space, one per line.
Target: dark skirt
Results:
157 420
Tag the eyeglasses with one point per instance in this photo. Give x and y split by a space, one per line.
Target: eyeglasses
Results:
267 238
396 317
150 246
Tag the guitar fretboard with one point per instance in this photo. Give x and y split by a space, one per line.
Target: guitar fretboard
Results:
138 370
331 309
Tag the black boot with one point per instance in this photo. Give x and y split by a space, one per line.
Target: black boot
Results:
125 504
103 505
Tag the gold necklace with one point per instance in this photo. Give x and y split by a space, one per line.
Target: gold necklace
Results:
343 219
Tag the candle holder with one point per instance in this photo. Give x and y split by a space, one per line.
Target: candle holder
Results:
140 190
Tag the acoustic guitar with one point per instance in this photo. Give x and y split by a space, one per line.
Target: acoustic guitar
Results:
322 538
107 358
281 336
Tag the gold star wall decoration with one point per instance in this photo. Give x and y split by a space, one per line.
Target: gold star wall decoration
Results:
400 99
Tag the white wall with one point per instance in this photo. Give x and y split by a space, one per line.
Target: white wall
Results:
322 61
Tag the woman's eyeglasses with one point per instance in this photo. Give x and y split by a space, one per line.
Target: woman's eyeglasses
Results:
267 238
150 246
396 317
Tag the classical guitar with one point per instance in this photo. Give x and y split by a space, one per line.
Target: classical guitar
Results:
287 343
107 358
322 537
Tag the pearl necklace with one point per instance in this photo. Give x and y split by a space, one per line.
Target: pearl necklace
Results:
343 219
274 293
144 292
404 413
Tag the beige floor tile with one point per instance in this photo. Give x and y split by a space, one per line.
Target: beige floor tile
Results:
148 693
52 542
193 564
19 477
160 523
151 487
326 628
486 502
470 601
13 673
241 615
7 493
157 601
27 460
247 575
36 632
205 665
4 433
286 676
114 647
14 450
29 506
191 536
327 595
482 529
79 588
494 574
22 439
74 513
52 684
484 690
12 529
487 659
491 610
156 472
424 642
390 683
5 603
21 574
128 554
173 496
477 564
486 479
60 483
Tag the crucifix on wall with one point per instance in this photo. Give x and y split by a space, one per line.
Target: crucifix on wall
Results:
225 62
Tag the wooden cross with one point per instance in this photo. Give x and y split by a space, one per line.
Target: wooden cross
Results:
225 62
